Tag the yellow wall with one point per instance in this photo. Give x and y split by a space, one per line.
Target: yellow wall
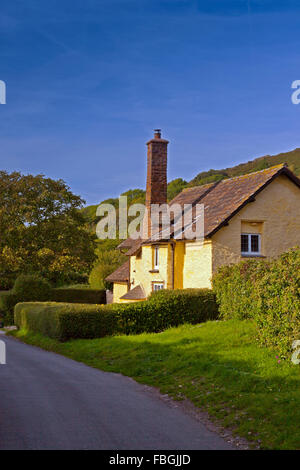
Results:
197 269
277 212
119 290
140 268
179 254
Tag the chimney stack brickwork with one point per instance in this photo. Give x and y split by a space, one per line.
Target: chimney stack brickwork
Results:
156 188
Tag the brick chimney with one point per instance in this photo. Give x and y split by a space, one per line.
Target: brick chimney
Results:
156 188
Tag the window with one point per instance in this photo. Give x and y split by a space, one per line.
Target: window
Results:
250 244
156 257
158 286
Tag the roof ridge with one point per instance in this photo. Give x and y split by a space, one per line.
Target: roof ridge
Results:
199 186
279 166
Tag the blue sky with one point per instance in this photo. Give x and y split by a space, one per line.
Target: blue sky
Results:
88 81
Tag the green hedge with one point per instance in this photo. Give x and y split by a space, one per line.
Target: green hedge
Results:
79 296
268 292
8 299
161 311
65 321
234 288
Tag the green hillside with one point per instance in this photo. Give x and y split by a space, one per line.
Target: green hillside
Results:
292 158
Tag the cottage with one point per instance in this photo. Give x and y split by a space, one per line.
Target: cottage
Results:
254 215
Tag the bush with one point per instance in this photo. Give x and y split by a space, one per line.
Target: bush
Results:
161 311
233 286
79 296
31 287
108 261
98 275
7 281
65 321
268 292
278 310
59 279
167 308
7 302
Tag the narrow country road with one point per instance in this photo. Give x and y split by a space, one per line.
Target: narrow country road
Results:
48 401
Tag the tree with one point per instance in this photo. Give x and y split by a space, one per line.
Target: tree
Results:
41 228
108 260
175 187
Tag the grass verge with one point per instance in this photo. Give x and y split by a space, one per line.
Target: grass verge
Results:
217 365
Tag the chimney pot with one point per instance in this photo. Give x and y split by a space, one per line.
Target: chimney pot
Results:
157 133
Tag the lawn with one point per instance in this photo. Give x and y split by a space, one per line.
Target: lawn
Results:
219 366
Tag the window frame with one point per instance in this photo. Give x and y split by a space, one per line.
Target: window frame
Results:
250 252
156 257
156 283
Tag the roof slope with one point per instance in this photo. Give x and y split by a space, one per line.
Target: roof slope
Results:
137 293
222 200
231 195
121 274
192 194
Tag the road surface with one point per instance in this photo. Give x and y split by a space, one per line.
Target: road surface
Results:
48 401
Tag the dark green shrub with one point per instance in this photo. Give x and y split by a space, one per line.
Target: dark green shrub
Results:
59 279
7 302
199 304
167 308
79 296
7 281
31 287
65 321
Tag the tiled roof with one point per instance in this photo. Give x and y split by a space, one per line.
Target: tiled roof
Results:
231 195
137 293
192 194
131 245
121 274
126 244
222 200
135 246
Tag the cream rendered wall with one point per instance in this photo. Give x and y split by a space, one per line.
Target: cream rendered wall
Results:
276 209
197 269
119 289
141 267
192 266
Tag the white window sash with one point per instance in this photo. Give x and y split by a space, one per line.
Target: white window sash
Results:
158 286
250 252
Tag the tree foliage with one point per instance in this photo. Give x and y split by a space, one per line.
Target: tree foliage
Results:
42 229
107 262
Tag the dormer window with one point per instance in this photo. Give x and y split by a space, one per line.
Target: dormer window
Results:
251 244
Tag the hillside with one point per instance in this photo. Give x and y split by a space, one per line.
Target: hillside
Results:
292 158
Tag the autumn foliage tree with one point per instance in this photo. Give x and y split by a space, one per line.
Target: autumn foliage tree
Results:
41 229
